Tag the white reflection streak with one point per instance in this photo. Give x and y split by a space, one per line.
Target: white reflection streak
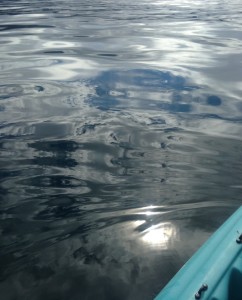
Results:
58 44
68 68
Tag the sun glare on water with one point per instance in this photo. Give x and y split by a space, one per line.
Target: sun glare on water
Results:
160 235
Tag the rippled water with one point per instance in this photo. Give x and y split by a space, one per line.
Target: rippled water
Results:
120 138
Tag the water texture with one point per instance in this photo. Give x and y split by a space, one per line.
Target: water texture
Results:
120 142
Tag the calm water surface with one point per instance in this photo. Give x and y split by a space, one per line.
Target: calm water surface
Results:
120 138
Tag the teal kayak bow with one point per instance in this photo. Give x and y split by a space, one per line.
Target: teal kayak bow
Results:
214 272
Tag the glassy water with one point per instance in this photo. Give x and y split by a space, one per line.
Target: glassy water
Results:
120 138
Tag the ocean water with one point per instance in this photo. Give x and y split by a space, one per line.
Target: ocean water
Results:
120 142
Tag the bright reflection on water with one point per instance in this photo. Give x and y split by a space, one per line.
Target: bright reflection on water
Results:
160 235
120 142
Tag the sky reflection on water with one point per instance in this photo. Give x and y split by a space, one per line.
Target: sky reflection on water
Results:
120 144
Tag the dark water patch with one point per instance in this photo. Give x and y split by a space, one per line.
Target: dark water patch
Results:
39 88
214 100
86 128
54 52
61 162
5 174
59 146
8 27
107 54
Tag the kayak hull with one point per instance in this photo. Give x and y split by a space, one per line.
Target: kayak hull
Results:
215 271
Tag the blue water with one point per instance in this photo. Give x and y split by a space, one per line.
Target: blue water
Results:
120 142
